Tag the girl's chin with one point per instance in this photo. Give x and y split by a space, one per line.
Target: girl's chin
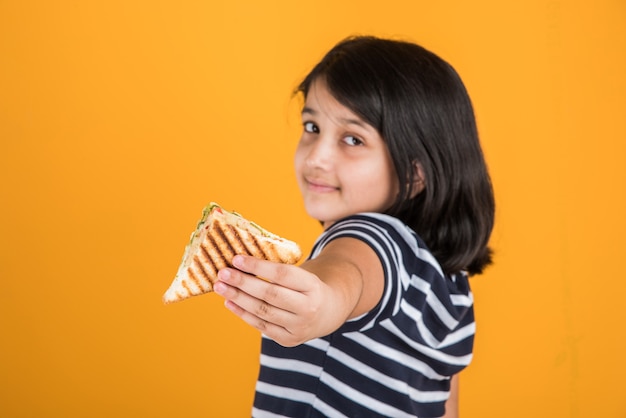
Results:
322 216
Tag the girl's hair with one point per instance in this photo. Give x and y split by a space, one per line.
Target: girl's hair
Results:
421 108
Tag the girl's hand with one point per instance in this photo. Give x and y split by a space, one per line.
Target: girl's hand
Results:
285 306
292 304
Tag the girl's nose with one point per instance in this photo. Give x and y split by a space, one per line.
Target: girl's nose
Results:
320 155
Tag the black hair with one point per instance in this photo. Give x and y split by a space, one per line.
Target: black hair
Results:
421 108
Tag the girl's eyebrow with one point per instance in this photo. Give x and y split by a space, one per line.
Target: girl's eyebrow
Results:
347 121
308 111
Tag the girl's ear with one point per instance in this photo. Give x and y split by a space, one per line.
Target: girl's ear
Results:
418 182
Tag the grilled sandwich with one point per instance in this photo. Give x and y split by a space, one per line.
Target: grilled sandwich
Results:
219 236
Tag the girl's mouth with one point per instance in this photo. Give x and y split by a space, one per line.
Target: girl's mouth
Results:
319 186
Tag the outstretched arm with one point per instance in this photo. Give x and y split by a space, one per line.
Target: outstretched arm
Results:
295 304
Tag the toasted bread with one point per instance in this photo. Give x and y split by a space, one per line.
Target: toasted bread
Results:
219 236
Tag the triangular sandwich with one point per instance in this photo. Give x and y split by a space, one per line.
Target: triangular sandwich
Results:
219 236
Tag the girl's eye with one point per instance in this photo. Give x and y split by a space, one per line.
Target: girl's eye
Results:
310 127
352 140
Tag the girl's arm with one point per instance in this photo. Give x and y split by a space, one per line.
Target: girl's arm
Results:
452 405
295 304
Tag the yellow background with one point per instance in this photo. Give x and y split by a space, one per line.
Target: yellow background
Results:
120 120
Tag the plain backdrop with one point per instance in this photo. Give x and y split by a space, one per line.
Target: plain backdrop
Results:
120 120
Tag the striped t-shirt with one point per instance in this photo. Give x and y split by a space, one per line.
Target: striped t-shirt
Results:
394 361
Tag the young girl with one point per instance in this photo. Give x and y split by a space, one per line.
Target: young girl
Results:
379 318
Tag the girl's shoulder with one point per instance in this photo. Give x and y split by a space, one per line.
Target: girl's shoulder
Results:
391 239
378 226
372 220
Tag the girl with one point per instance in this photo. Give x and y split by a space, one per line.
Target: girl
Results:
379 318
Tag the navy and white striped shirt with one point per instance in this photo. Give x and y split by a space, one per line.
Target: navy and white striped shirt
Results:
394 361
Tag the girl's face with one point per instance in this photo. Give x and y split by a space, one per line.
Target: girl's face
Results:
342 164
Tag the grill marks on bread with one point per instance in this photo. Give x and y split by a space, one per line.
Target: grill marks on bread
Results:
219 236
223 241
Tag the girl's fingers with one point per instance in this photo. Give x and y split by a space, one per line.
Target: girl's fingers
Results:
265 326
258 289
271 321
253 305
263 323
266 301
276 332
272 306
282 274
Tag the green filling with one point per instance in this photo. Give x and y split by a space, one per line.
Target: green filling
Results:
263 231
207 211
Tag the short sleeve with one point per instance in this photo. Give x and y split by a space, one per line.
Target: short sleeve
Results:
420 305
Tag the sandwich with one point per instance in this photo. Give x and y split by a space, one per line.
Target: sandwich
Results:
219 236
